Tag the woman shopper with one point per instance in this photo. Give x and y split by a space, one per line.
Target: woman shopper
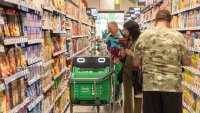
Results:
132 32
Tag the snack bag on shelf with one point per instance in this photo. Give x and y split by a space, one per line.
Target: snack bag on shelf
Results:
4 65
189 98
3 102
198 105
11 58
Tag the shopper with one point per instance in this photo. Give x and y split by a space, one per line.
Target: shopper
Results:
132 32
161 52
114 48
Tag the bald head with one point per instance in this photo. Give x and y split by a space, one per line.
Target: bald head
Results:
113 28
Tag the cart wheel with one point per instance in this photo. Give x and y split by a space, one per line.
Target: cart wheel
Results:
71 108
121 102
98 109
111 108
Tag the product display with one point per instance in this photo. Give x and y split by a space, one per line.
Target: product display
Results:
38 39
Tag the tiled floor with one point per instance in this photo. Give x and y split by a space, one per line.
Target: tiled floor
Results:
103 109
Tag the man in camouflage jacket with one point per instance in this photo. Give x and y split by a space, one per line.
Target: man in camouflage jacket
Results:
161 52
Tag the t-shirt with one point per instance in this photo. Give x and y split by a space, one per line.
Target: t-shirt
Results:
113 41
161 50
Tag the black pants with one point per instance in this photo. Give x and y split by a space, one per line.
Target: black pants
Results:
162 102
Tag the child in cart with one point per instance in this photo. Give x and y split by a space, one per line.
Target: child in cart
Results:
112 41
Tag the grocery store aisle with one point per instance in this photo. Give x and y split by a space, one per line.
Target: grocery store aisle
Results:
91 109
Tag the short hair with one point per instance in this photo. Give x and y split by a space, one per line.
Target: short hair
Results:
113 23
163 15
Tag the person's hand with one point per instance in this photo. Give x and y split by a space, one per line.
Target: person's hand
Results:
128 52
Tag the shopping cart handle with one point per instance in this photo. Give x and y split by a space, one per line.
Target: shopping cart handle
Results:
90 79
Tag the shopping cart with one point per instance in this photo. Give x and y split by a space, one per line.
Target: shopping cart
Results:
92 83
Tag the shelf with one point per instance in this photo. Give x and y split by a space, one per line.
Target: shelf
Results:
86 23
72 18
34 79
15 40
20 106
47 8
59 52
2 49
35 41
35 60
59 32
187 9
188 108
187 28
65 108
151 6
194 49
78 53
35 102
60 94
50 108
59 12
47 28
71 1
48 87
79 36
149 20
59 74
192 88
15 76
195 71
20 5
68 28
48 63
2 87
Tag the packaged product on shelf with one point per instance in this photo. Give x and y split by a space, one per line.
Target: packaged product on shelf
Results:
35 70
47 46
185 110
12 23
3 102
198 105
32 25
4 65
47 19
63 20
48 3
33 51
190 98
47 79
56 23
56 44
1 23
11 58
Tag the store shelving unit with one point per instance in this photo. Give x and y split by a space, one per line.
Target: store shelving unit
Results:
36 48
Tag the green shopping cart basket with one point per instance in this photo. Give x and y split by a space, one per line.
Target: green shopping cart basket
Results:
91 82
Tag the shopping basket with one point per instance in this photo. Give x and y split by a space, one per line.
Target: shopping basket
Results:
91 82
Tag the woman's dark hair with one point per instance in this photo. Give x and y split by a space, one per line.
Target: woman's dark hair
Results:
133 28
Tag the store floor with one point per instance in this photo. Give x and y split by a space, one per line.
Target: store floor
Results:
103 109
89 109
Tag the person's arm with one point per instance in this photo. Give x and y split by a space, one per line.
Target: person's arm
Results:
137 62
137 54
185 60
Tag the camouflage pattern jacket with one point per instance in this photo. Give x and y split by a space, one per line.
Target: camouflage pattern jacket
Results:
161 50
